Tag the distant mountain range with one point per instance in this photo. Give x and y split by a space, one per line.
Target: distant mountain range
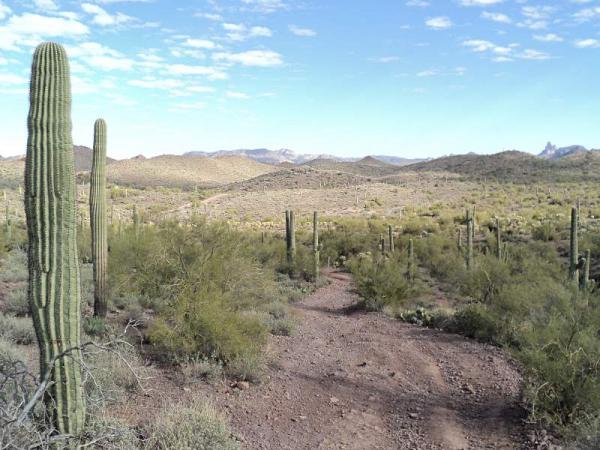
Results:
553 152
285 155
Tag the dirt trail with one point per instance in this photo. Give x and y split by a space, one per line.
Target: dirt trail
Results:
354 380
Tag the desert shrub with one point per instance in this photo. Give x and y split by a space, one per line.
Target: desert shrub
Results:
247 367
16 301
196 425
14 267
381 282
546 231
204 324
113 374
94 326
204 368
16 329
103 431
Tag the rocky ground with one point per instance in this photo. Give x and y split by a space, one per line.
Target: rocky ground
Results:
354 380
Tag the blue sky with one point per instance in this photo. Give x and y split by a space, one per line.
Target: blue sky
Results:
410 78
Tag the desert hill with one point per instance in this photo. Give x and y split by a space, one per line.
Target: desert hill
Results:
516 167
185 171
366 167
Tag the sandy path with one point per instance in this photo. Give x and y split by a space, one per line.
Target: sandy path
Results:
358 380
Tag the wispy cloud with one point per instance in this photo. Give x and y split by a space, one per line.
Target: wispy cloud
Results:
305 32
439 23
256 58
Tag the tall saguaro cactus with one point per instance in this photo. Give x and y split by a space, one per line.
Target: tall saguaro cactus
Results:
574 249
50 202
98 218
316 254
585 283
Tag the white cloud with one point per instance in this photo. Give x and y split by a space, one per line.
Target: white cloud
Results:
418 3
103 18
256 58
427 73
533 54
439 23
265 6
237 95
240 32
200 89
587 14
587 43
110 63
9 78
154 83
29 29
48 5
188 106
305 32
209 16
4 10
480 2
550 37
200 43
496 17
387 59
209 72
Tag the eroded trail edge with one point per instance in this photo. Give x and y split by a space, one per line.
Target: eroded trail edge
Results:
354 380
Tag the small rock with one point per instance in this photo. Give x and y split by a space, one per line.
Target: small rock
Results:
334 400
242 385
413 416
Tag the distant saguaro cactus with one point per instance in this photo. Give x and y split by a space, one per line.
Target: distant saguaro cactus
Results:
98 218
316 254
391 238
574 249
459 240
50 205
410 269
290 239
498 239
469 243
382 244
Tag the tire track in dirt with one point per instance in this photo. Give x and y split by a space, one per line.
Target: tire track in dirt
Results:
355 380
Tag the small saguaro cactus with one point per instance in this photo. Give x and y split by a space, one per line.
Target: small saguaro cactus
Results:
586 282
410 270
459 240
469 243
54 292
382 244
98 218
316 255
498 239
290 238
391 238
574 249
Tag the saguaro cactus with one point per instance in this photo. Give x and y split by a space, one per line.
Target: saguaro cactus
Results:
469 243
586 269
498 239
410 270
391 238
459 240
98 218
50 202
290 238
574 249
316 255
382 244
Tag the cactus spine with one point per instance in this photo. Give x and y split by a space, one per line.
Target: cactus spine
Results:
316 255
98 218
391 238
50 205
574 249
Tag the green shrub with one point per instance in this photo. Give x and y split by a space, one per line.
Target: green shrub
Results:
14 267
16 329
105 432
94 326
204 324
16 301
196 426
381 282
209 369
